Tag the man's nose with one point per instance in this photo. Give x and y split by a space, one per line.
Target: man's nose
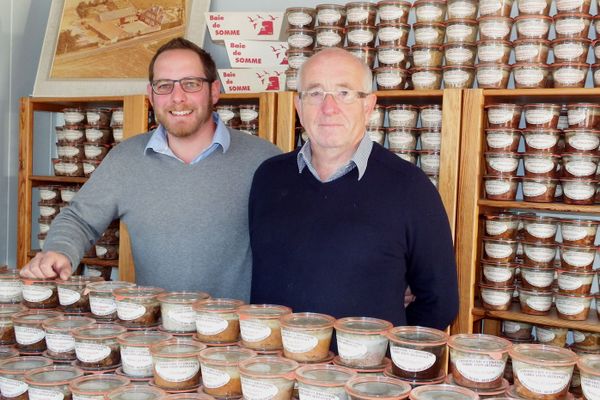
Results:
330 104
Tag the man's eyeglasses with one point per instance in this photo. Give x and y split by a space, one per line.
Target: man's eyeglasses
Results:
190 84
317 96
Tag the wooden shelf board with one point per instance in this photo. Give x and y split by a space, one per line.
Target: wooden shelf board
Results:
559 207
524 96
91 261
413 96
38 180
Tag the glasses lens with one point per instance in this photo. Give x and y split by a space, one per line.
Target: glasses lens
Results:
191 84
163 86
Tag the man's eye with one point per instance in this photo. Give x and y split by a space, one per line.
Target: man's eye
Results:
163 85
315 94
192 84
343 93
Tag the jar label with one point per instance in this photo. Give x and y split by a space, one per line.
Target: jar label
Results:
93 134
254 331
495 298
538 165
258 390
298 342
597 77
542 381
584 142
540 254
406 118
10 291
568 5
85 397
44 394
580 168
528 76
458 55
570 306
569 26
497 274
424 79
504 164
183 314
328 39
533 189
389 34
538 279
569 76
430 163
208 325
489 7
426 35
573 233
431 117
376 135
117 134
388 79
328 16
542 231
129 311
291 83
91 352
495 228
568 51
480 369
578 191
181 370
214 378
35 293
578 337
66 297
569 282
389 12
511 326
298 41
46 211
390 56
60 343
431 140
489 76
307 393
591 386
578 258
494 30
490 52
498 140
456 77
496 187
576 116
402 140
428 13
533 27
137 361
68 151
11 387
458 33
421 57
532 6
538 116
294 62
92 151
72 134
44 228
357 14
47 194
462 9
539 303
526 52
540 141
101 306
63 168
350 349
544 335
412 360
26 335
299 18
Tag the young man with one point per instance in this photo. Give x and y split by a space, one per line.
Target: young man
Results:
182 189
343 226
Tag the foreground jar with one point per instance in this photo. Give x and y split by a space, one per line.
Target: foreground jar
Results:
259 326
136 393
7 330
40 293
379 387
72 296
323 381
12 375
138 307
176 365
59 340
11 287
96 346
29 333
51 382
102 300
361 341
135 351
217 321
176 310
267 375
589 369
220 370
442 391
306 336
94 387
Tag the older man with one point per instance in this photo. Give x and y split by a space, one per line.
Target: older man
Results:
343 226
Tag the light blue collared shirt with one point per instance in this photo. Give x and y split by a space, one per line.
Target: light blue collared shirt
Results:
159 144
359 160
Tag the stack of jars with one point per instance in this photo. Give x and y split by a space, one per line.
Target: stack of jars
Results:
243 117
427 52
460 47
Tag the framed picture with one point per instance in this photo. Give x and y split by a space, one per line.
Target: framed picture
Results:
103 47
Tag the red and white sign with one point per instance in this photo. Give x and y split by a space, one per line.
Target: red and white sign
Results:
256 54
244 25
252 80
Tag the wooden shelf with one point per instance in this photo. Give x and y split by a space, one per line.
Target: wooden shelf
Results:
523 96
90 261
267 111
38 180
554 207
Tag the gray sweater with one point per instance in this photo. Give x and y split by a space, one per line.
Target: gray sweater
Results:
188 223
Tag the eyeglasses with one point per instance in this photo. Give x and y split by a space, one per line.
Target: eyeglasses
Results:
189 84
317 96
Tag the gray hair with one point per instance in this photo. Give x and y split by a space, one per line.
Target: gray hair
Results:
366 71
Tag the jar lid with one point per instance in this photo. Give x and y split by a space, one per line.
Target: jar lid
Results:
35 316
182 297
589 364
572 15
53 375
417 334
97 384
531 40
146 292
176 348
377 388
109 286
324 375
6 310
226 356
267 311
136 392
67 322
481 343
268 366
217 305
143 338
575 221
79 280
20 365
10 274
363 325
442 392
549 356
497 288
307 320
31 281
99 332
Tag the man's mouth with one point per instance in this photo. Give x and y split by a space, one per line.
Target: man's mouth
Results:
180 113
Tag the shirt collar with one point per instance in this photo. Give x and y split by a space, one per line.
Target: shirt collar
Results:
359 159
158 141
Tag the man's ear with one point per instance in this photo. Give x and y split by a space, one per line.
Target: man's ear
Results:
298 106
150 94
215 88
369 104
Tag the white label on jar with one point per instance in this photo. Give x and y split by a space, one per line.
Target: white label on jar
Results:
430 163
428 13
544 335
117 134
537 278
489 76
597 77
458 33
44 394
528 76
12 387
538 116
357 14
44 228
542 231
36 294
307 393
412 360
498 140
539 303
584 142
93 134
480 369
26 335
291 83
495 228
66 297
214 378
540 141
533 189
91 352
431 140
294 62
10 290
376 136
420 57
258 390
73 134
88 169
47 194
389 34
540 254
137 361
531 6
489 6
298 41
461 9
496 274
569 282
580 168
328 39
567 5
495 298
504 164
47 211
207 324
569 306
569 76
401 140
424 79
578 191
254 331
490 53
129 311
350 349
65 168
60 343
390 56
573 233
389 12
578 258
576 116
101 306
496 187
298 342
526 52
402 118
67 151
494 30
569 26
532 28
92 151
590 385
541 380
511 326
538 165
458 55
86 397
568 51
388 79
184 314
500 116
426 35
431 117
180 370
456 77
578 337
299 18
328 17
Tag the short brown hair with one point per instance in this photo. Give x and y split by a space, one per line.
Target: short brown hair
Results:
179 43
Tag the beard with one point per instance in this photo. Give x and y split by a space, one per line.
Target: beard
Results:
183 128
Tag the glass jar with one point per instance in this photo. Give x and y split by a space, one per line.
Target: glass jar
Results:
577 258
462 9
40 293
11 287
442 391
217 321
579 191
72 296
581 140
220 370
495 28
331 15
569 74
135 351
323 381
501 226
259 326
517 330
361 341
270 375
461 31
431 139
502 139
501 163
175 364
96 346
59 339
458 76
494 51
572 306
539 254
393 11
536 278
12 375
138 307
531 50
540 228
94 387
379 387
498 273
530 75
493 76
496 298
390 78
136 393
572 25
535 302
176 310
429 33
428 78
392 55
430 10
431 116
300 17
460 53
578 232
51 382
393 33
7 330
102 300
427 55
28 329
306 336
300 39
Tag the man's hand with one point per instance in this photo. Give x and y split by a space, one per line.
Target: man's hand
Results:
408 297
47 264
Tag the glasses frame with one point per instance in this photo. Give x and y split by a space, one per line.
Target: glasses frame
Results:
174 81
359 95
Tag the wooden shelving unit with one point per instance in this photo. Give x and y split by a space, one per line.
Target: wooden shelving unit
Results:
472 204
267 112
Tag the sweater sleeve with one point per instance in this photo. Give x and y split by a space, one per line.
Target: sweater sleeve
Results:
431 267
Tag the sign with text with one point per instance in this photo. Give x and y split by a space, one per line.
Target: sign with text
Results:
256 54
253 25
252 80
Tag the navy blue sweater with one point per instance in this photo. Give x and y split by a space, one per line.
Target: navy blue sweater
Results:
350 247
